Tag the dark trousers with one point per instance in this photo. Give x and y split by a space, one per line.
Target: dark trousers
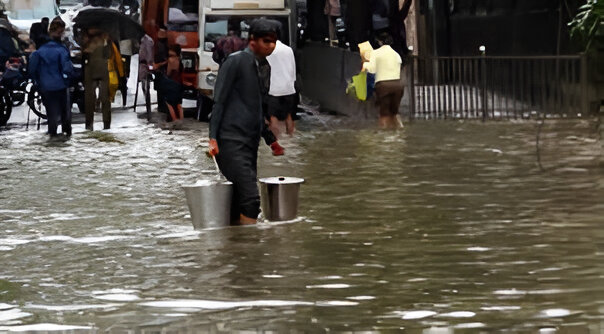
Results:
237 162
55 102
389 95
267 134
90 85
123 85
161 99
146 83
281 106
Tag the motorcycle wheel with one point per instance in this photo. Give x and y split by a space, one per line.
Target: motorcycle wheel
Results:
6 107
34 101
18 98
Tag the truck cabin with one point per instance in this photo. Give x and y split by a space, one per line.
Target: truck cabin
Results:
180 18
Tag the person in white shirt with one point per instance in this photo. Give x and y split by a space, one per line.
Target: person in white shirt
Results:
386 64
282 98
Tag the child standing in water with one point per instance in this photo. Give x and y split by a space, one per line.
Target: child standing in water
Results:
172 85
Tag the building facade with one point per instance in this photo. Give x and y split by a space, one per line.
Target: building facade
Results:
504 27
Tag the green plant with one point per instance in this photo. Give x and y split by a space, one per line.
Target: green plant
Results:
103 137
588 25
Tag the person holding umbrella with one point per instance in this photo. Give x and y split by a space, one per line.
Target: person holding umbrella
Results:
97 52
99 25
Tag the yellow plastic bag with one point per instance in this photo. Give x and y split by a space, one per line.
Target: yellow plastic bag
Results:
359 82
113 84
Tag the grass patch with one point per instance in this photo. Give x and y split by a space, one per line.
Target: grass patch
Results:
104 137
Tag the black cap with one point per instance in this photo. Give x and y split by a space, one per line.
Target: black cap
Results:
262 27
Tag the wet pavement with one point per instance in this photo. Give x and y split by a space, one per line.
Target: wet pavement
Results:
441 227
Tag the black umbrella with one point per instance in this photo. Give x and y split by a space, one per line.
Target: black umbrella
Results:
117 25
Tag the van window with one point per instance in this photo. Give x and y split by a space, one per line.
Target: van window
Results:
31 9
218 27
181 11
183 15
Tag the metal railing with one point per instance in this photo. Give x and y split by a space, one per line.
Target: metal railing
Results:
487 87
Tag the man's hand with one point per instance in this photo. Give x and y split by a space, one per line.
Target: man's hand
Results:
213 147
157 66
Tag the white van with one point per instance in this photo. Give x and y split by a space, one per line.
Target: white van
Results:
23 13
197 25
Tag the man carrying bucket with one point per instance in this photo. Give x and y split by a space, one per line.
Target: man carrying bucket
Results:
236 121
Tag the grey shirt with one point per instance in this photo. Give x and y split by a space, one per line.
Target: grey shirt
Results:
237 112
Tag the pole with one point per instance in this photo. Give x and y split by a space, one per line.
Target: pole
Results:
485 102
28 112
138 81
411 69
584 85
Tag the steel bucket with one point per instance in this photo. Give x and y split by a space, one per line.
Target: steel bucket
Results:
279 197
209 203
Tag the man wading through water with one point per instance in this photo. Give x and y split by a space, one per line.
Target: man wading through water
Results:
236 122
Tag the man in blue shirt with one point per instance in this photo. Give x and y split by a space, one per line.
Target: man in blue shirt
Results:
51 68
236 121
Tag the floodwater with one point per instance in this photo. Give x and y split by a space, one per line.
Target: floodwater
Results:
441 227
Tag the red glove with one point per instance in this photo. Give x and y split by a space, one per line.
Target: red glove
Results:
213 147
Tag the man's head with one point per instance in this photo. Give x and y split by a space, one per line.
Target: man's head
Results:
384 39
56 28
263 36
174 50
44 22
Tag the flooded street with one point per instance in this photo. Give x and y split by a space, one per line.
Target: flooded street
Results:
438 228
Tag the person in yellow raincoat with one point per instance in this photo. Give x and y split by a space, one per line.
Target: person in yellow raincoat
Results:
116 70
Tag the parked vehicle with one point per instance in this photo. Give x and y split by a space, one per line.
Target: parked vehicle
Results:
198 24
23 13
6 104
13 87
16 88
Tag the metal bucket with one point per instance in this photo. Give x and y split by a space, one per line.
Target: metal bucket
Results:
209 203
279 197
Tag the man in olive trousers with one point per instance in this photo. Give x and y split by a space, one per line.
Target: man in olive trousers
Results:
96 75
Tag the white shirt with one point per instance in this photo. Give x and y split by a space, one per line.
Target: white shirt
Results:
283 70
385 63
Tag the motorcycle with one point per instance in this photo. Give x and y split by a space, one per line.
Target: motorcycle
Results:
6 104
13 87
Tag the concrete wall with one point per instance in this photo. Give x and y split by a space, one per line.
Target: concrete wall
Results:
325 73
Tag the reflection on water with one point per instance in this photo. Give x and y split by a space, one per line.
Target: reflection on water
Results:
438 228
